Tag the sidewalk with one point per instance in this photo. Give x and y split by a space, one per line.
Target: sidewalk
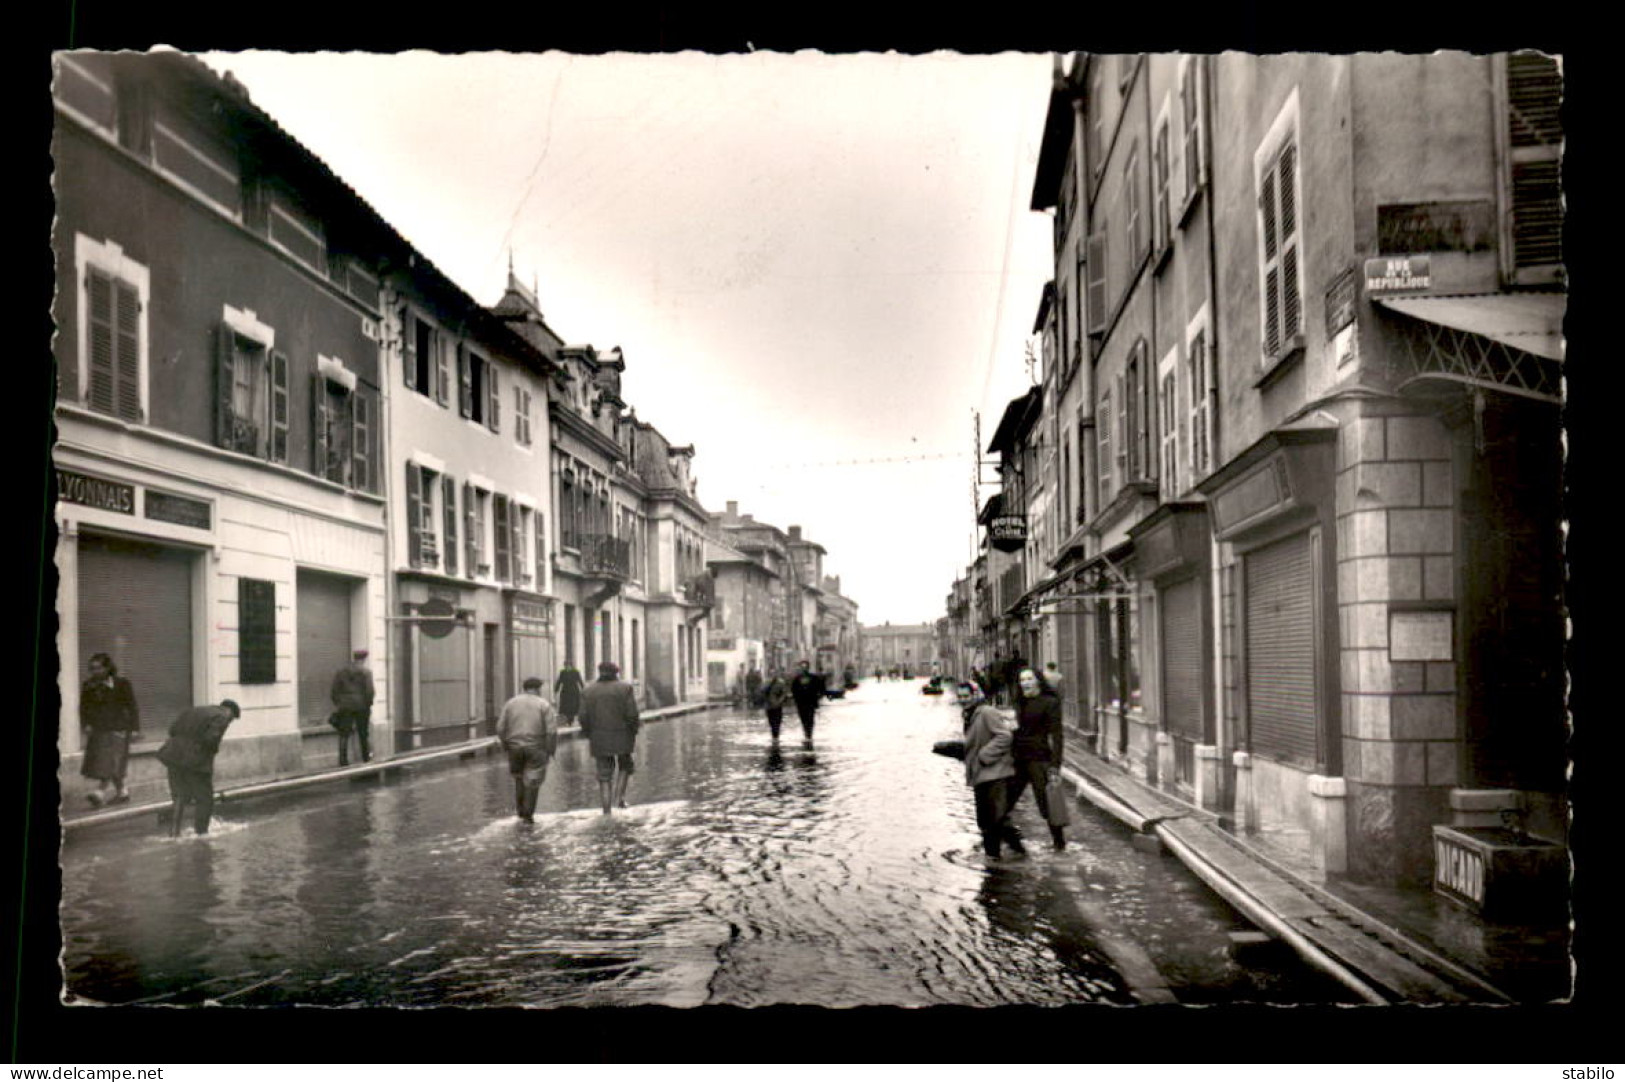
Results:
465 750
1386 944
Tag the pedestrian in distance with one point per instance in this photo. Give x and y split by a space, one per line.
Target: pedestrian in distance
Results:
989 768
1052 677
567 693
807 689
108 718
352 696
774 696
753 687
1038 747
528 733
188 755
609 717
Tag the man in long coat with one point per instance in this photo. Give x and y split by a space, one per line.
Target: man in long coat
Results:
188 754
609 717
807 689
108 713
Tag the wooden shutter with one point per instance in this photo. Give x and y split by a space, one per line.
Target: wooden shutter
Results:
501 538
1189 104
448 495
465 382
1182 659
277 442
256 631
1096 270
471 531
1291 304
1272 267
1281 638
127 349
99 392
414 514
1134 211
442 370
493 397
361 440
319 421
409 347
224 357
1164 193
1534 97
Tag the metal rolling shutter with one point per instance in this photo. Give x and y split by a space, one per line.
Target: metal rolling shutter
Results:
135 604
1281 649
324 641
1182 658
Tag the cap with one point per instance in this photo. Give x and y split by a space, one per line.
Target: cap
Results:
608 668
532 682
360 654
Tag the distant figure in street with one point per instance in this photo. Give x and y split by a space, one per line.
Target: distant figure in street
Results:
807 689
1038 747
989 769
1053 677
352 700
849 677
528 734
188 755
109 718
774 696
753 688
567 693
609 717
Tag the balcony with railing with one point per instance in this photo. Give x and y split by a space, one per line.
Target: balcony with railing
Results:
606 556
700 589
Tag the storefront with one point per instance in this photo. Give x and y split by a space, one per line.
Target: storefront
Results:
436 637
530 634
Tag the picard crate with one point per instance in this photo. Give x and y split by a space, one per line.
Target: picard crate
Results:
1498 873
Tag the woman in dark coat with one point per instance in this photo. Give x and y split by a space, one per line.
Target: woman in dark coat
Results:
567 689
1038 747
110 718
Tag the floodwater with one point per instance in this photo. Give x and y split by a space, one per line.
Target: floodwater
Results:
844 874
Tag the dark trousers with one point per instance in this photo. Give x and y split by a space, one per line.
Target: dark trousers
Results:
993 804
775 718
1035 772
808 711
195 787
358 722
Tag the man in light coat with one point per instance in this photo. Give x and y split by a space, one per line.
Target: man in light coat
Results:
609 717
529 734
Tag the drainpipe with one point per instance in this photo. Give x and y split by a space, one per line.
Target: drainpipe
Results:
1224 738
388 299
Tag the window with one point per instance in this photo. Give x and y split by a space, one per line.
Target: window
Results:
1096 271
525 542
569 524
1086 435
1104 455
422 542
1190 112
521 415
1163 196
84 86
251 409
474 518
1168 417
541 549
1534 89
1133 208
1281 300
256 631
1199 380
333 428
424 359
480 399
1096 131
112 369
199 161
1137 413
296 232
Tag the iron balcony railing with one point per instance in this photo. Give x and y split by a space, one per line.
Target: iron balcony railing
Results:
607 555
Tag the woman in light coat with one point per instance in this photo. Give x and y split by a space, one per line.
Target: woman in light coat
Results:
989 767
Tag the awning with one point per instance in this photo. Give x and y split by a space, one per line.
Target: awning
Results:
1532 322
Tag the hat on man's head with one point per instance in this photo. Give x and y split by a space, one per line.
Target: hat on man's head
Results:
359 654
608 668
230 704
532 682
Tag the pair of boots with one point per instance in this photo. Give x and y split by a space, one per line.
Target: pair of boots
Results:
613 793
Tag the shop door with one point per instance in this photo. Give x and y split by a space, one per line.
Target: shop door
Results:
1281 651
493 680
135 605
324 641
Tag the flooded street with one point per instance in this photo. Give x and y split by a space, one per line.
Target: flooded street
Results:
844 874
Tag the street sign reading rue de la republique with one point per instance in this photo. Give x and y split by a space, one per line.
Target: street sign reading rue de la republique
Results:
1398 274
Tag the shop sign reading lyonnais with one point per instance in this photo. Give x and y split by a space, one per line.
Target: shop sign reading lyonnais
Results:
1398 274
95 492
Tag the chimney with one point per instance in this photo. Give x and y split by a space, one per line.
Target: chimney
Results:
795 533
733 510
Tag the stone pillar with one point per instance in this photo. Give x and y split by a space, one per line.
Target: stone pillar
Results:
1208 779
1328 829
1165 760
1482 807
1246 809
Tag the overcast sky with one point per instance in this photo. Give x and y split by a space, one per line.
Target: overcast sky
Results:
813 263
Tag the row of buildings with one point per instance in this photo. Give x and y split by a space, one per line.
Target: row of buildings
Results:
1285 504
283 435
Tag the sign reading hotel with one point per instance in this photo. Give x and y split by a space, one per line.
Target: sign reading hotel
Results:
1008 532
1398 274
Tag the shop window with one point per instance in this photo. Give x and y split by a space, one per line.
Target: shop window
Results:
256 631
113 302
